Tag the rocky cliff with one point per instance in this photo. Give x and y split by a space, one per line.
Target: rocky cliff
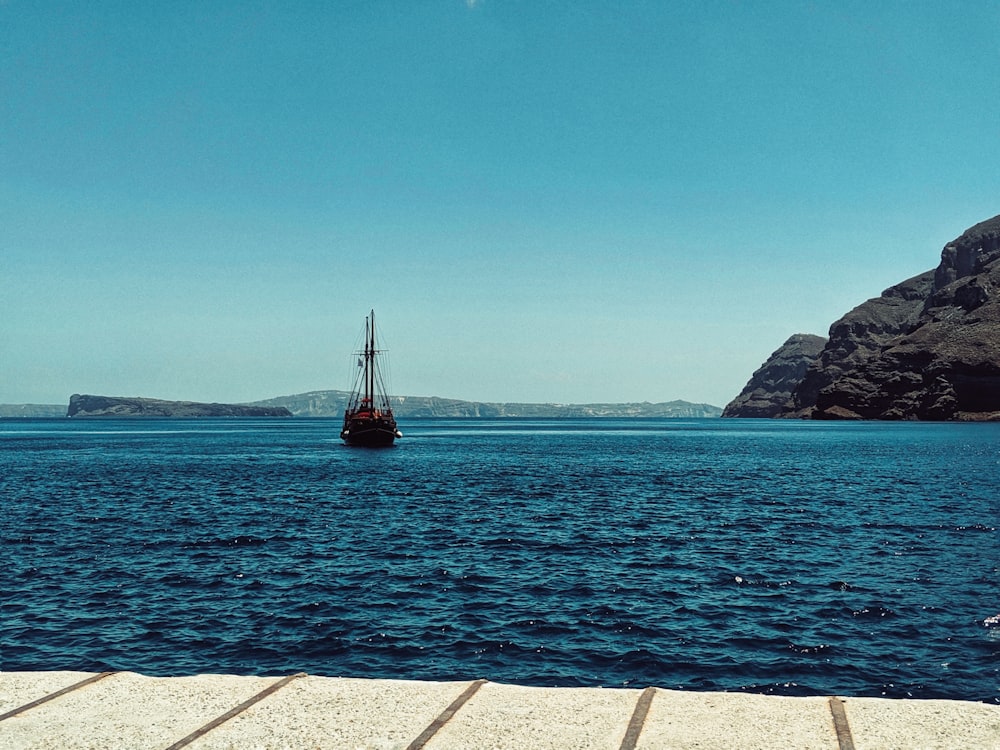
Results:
114 406
946 365
770 388
858 337
927 348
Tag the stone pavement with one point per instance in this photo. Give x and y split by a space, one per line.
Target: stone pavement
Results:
69 710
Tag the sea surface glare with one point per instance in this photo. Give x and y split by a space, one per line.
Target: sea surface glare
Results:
796 558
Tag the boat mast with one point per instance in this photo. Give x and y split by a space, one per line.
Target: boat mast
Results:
370 360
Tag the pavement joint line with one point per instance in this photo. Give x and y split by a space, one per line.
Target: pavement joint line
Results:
56 694
638 719
200 732
445 716
840 725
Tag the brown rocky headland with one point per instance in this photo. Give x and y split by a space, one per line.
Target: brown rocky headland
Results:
771 386
927 348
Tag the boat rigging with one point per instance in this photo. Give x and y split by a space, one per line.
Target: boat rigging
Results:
368 418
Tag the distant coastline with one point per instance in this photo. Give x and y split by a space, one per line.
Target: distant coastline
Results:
31 411
117 406
332 403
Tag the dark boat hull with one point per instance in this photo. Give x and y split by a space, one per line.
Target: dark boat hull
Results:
368 418
369 433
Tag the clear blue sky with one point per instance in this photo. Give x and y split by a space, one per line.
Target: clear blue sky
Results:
543 201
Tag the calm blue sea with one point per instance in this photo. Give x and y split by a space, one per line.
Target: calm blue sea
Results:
768 556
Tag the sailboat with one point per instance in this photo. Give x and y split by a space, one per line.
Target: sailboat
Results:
368 418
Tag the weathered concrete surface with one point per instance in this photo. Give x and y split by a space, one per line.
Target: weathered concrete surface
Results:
329 712
883 723
127 710
509 716
680 719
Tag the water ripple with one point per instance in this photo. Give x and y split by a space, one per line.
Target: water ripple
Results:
779 558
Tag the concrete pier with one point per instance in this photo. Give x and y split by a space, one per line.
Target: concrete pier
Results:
69 710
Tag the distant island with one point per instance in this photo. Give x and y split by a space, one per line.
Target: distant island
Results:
332 404
116 406
31 411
